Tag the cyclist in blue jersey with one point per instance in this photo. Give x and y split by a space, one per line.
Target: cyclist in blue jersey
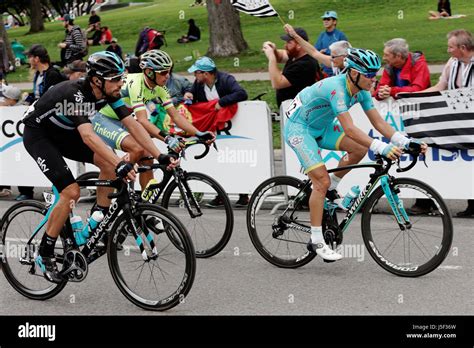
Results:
319 119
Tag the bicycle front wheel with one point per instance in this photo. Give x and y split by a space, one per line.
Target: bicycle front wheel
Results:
18 257
412 250
211 231
279 225
163 281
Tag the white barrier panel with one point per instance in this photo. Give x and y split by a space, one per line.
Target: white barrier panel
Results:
17 167
245 151
244 159
450 173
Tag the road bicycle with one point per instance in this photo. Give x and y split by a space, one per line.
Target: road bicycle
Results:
410 246
187 195
150 254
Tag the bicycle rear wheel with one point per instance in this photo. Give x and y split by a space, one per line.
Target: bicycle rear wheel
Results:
209 233
157 284
18 257
278 234
413 251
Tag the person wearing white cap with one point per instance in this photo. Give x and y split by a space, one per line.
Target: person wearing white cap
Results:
329 36
11 96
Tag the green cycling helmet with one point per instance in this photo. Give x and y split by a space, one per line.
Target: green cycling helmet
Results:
364 61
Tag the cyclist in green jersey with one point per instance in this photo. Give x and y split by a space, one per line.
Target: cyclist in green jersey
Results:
139 90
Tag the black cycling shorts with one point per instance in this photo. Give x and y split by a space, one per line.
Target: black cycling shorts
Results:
48 152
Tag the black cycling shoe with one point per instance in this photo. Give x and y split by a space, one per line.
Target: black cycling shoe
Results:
49 268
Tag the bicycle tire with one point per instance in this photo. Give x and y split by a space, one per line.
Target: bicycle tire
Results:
302 255
12 215
218 239
406 269
187 250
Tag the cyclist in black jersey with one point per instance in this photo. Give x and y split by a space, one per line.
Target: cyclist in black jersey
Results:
58 126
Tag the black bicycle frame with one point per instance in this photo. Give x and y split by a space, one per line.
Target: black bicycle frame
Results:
380 171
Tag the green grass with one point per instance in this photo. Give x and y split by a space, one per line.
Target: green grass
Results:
367 23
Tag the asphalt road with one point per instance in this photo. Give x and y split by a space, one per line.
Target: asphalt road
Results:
238 281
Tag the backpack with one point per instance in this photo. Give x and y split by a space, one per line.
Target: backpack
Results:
155 39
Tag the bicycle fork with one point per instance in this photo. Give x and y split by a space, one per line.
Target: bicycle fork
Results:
137 233
396 204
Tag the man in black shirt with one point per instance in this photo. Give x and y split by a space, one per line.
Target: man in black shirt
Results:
300 71
94 18
57 126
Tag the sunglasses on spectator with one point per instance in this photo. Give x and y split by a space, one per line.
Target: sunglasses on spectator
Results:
115 78
199 72
328 19
370 75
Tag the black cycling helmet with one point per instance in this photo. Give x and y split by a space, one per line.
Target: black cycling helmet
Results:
104 64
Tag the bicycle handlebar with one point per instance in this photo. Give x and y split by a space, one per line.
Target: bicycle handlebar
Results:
194 141
414 149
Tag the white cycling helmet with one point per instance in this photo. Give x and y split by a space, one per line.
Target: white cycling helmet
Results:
156 60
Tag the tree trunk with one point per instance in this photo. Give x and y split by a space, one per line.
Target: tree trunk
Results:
4 37
37 23
225 34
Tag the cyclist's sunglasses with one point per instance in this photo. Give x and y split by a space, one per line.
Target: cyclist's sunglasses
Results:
162 72
370 75
115 78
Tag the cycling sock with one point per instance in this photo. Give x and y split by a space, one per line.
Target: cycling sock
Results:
317 234
47 246
334 181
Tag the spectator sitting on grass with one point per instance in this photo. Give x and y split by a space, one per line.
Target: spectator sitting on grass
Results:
444 10
194 33
115 48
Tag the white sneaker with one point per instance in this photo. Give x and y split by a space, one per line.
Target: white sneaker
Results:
325 251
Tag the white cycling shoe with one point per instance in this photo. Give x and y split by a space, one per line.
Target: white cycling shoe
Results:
324 251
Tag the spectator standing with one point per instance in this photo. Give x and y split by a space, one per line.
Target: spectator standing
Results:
115 48
44 78
404 71
300 70
328 37
338 51
194 33
444 10
45 74
73 44
458 73
211 84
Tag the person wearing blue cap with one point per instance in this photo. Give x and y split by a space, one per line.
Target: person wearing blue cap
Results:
328 37
211 84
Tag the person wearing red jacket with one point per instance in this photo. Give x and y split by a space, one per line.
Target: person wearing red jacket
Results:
405 71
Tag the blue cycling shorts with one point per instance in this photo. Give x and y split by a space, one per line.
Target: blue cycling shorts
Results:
307 142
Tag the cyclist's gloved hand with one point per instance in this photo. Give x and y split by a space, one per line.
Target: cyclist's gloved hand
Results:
206 136
387 150
421 144
173 143
168 160
123 169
